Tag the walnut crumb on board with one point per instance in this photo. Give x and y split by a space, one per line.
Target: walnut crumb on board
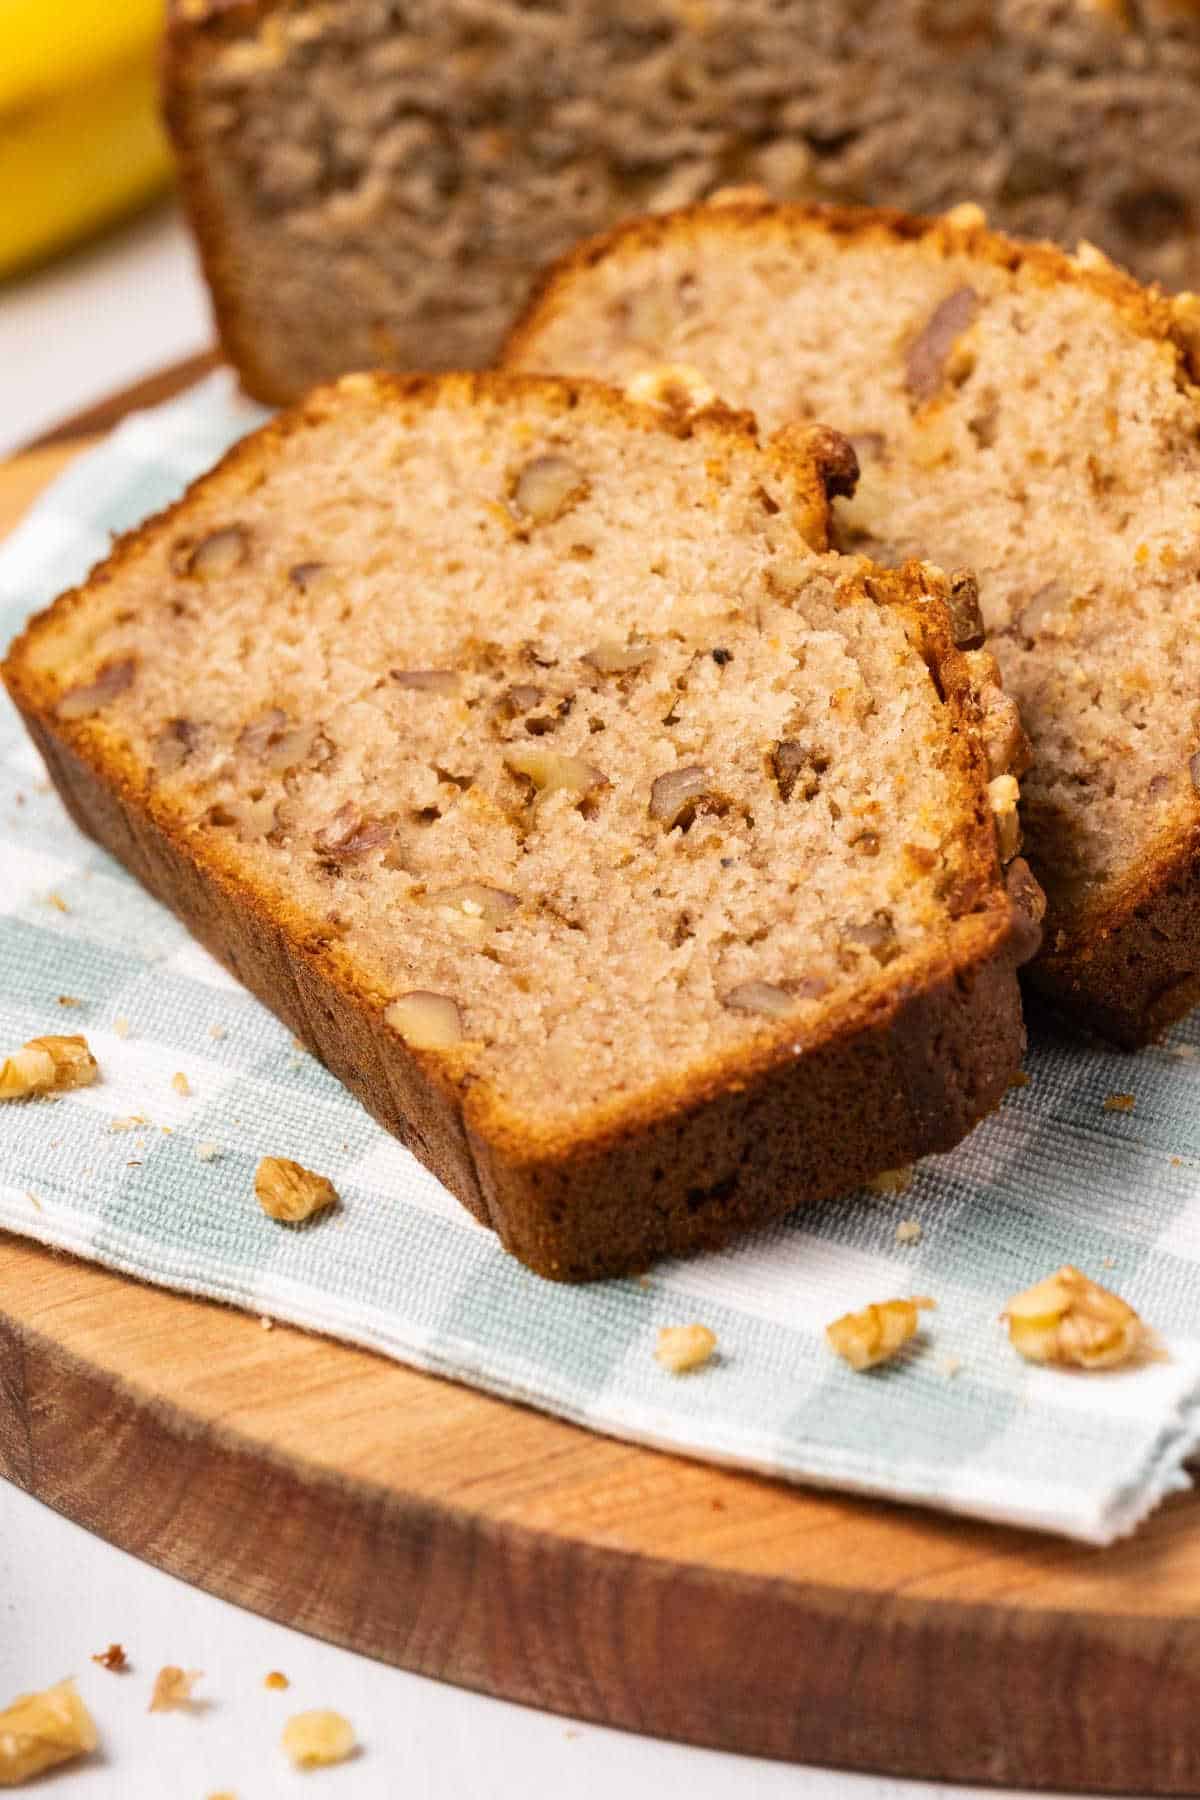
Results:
39 1731
909 1231
113 1658
47 1065
1120 1103
289 1192
180 1083
173 1689
121 1025
69 1000
314 1740
276 1679
216 1031
875 1334
207 1152
682 1348
57 902
1076 1323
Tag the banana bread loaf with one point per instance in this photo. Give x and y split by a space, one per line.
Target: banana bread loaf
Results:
374 184
1030 415
635 859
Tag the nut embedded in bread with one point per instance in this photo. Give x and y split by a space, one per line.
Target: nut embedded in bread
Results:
373 185
1028 416
675 900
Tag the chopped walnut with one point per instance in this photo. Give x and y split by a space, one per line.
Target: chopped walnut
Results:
547 488
218 554
1003 735
89 697
47 1065
609 658
275 1679
552 772
793 765
875 1334
426 1021
676 796
348 836
966 619
39 1731
314 1740
675 388
113 1658
759 997
1070 1320
1003 795
445 682
681 1348
1120 1102
180 1083
929 352
173 1689
474 908
288 1191
909 1231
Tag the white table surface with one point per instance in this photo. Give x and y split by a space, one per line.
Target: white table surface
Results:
92 323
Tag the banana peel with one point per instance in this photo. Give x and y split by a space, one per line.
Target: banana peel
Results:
80 138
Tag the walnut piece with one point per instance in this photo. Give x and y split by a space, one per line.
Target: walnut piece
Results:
1004 740
795 765
445 682
681 1348
875 1334
314 1740
547 488
218 554
675 796
348 836
552 772
611 658
47 1065
113 1658
925 364
287 1190
173 1689
759 997
962 602
39 1731
276 1680
1069 1320
674 388
426 1021
474 907
1003 794
89 697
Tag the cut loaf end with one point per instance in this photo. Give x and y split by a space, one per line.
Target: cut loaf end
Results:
635 858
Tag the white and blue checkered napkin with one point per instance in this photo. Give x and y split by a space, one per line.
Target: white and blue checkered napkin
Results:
958 1422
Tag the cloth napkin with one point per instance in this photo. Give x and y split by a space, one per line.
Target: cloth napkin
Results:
144 1178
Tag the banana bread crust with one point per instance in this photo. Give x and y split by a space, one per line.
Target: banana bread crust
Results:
900 1071
1126 969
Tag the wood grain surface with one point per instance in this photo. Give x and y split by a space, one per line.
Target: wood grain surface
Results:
479 1542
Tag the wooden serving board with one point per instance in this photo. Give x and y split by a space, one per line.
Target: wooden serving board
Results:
484 1544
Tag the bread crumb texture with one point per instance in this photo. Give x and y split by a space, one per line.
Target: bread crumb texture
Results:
314 1740
1070 1320
606 773
878 1332
39 1731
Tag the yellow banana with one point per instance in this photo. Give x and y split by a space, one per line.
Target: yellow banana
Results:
80 139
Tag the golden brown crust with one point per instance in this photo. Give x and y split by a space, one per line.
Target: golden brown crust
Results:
1130 966
903 1067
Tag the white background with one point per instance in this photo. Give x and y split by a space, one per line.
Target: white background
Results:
69 335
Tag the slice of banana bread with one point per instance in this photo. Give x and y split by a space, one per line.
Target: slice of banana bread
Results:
630 855
1031 415
374 184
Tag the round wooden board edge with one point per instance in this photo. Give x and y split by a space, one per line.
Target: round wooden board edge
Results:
763 1664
